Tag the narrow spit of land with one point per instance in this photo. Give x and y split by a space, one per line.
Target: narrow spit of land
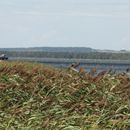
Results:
38 97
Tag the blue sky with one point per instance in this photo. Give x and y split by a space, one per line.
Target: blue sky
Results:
100 24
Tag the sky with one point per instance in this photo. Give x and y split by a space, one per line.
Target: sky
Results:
99 24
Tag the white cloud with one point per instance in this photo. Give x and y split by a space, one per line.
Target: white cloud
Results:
28 12
46 37
84 8
75 13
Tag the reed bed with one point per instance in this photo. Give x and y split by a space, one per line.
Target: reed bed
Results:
38 97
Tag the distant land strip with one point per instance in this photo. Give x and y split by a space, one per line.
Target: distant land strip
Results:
64 60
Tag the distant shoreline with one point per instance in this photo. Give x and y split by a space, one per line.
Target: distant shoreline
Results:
66 60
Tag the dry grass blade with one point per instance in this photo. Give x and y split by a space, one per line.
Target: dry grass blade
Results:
36 97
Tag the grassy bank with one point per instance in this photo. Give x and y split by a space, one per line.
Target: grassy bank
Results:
37 97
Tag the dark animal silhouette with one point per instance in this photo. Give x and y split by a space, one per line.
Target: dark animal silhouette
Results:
128 69
75 65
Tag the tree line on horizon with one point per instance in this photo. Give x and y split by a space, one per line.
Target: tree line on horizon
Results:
71 55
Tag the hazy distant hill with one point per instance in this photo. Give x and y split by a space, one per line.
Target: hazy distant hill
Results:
52 49
62 49
66 52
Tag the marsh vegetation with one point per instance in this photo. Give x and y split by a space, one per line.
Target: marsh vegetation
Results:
35 97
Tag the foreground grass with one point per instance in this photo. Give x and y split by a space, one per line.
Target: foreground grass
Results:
37 97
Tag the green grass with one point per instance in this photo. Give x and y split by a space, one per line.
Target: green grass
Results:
38 97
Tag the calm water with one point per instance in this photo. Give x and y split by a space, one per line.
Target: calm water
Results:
99 67
88 64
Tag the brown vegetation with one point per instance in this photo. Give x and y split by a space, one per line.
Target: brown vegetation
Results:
34 97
